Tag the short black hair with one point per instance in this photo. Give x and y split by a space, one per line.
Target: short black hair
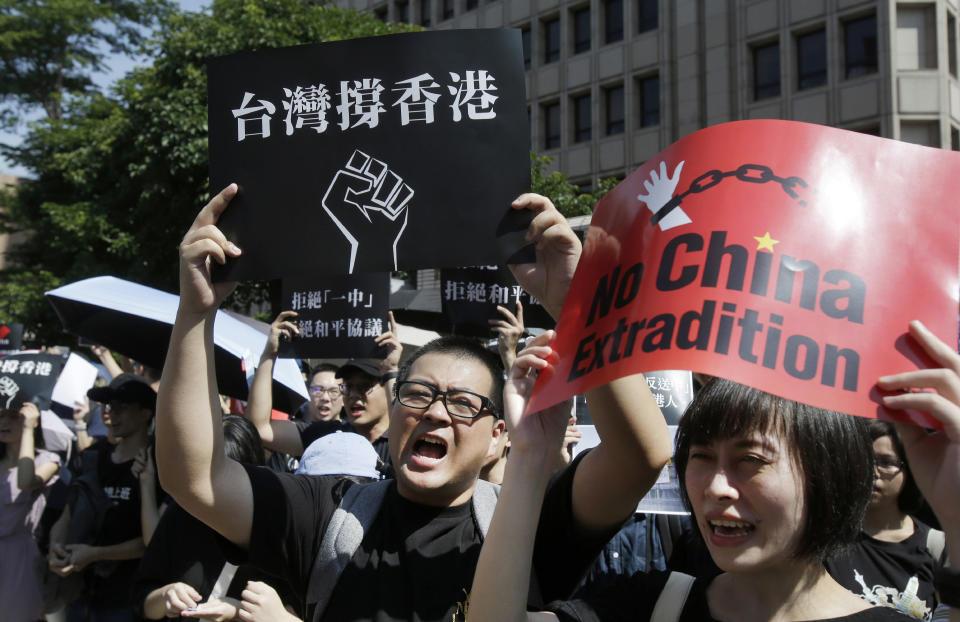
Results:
910 499
38 441
463 347
323 367
241 441
832 451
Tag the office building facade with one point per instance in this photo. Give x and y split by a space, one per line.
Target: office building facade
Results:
612 82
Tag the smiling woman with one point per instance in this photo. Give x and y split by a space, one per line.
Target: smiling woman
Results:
774 486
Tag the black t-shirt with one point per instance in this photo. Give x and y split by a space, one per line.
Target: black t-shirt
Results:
633 597
184 549
416 562
893 574
109 583
311 431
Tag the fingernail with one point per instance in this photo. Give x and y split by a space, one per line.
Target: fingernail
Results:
234 248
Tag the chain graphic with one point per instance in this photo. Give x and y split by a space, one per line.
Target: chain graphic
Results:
750 173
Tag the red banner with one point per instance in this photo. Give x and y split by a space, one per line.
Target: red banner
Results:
786 256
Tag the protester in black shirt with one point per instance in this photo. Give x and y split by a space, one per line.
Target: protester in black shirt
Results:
892 563
367 386
774 487
416 560
183 572
101 526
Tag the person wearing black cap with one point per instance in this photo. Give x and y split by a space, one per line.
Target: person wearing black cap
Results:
110 543
367 393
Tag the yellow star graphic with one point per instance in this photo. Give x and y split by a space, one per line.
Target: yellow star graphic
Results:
765 242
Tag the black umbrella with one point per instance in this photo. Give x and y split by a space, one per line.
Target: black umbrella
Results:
136 321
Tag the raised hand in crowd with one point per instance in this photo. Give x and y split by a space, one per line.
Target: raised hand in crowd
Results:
281 329
571 436
81 410
509 330
934 457
106 359
30 476
557 253
261 603
535 440
281 436
392 349
190 446
203 244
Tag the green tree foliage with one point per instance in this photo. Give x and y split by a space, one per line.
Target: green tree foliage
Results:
120 176
565 195
48 48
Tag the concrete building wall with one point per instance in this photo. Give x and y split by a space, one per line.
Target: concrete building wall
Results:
718 61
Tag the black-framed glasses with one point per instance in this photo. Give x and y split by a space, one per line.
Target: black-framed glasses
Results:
458 402
888 466
332 392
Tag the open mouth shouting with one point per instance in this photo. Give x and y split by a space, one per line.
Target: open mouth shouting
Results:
428 450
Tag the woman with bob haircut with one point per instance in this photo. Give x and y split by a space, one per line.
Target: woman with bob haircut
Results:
774 487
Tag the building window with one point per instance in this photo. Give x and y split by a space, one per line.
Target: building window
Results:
551 125
916 37
926 133
581 30
426 8
381 14
872 130
403 12
766 71
647 18
447 9
551 40
584 187
471 5
612 21
613 110
582 117
860 46
648 92
952 44
811 59
526 41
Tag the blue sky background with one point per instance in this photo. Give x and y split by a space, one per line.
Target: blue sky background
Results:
116 67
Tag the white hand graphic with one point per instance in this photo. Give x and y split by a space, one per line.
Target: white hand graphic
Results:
660 190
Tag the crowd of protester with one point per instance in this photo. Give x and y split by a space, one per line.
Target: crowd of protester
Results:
381 498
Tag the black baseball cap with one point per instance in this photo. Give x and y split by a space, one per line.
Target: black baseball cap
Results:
126 388
367 366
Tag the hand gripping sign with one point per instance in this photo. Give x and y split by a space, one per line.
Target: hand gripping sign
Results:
778 254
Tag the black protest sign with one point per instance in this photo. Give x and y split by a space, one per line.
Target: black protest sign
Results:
338 317
673 391
11 336
469 298
401 151
28 377
671 388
